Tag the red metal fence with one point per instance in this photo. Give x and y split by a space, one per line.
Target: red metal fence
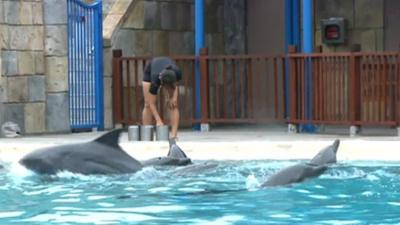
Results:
338 88
233 89
346 88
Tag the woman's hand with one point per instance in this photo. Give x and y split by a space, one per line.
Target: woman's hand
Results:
172 103
172 98
159 123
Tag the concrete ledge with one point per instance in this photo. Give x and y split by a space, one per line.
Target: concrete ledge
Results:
226 146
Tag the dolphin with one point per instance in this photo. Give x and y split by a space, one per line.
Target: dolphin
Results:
175 157
302 171
195 169
100 156
294 174
326 155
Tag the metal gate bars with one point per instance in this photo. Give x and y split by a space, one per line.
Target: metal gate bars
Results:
85 72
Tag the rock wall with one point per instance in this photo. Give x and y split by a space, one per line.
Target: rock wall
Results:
23 94
235 26
34 65
33 50
56 56
166 27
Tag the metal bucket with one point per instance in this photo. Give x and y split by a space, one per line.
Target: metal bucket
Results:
146 133
162 133
133 133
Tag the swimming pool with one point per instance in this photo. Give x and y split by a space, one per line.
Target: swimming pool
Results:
348 193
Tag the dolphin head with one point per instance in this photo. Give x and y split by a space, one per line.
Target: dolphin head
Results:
175 157
175 151
326 155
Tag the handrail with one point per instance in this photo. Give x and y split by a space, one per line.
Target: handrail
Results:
347 88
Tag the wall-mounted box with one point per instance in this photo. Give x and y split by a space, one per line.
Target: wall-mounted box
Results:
333 30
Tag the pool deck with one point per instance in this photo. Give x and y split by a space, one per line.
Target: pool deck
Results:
238 143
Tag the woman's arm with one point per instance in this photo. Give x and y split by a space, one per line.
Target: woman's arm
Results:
152 99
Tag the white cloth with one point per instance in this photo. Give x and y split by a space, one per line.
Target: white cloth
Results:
10 130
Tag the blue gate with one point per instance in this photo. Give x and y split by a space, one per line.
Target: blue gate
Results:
85 72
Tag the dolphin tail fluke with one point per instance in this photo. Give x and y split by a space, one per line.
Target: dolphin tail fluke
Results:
110 138
335 145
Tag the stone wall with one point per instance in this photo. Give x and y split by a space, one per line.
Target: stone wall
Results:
33 85
166 27
234 26
33 49
365 23
22 85
56 71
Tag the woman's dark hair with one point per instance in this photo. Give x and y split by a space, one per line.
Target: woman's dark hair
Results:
168 76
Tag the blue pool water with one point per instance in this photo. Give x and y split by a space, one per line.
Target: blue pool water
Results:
348 193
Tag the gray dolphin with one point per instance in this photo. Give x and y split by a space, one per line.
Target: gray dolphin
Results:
195 169
302 171
175 157
100 156
326 155
294 174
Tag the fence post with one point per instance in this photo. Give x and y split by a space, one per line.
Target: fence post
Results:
354 93
204 90
117 85
292 127
397 94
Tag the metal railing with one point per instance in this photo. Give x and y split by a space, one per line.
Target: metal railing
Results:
234 89
322 88
346 88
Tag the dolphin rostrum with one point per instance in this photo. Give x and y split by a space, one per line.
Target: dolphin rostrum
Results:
100 156
326 155
175 157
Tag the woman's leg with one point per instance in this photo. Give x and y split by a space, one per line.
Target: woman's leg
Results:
174 117
147 117
173 110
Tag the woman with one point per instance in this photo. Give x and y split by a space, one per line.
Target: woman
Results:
161 72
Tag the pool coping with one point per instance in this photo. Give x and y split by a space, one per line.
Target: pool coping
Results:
227 145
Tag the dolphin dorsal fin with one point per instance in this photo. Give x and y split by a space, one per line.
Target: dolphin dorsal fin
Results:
110 138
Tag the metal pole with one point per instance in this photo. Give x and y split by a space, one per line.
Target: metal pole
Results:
199 43
292 38
308 42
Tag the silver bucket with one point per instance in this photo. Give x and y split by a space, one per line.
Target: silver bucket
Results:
133 133
162 133
146 133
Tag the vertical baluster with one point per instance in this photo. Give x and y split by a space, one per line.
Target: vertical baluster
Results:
217 91
266 76
275 61
233 72
128 91
224 72
250 88
137 92
193 89
242 94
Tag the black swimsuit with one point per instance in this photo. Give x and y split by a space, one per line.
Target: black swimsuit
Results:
153 70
